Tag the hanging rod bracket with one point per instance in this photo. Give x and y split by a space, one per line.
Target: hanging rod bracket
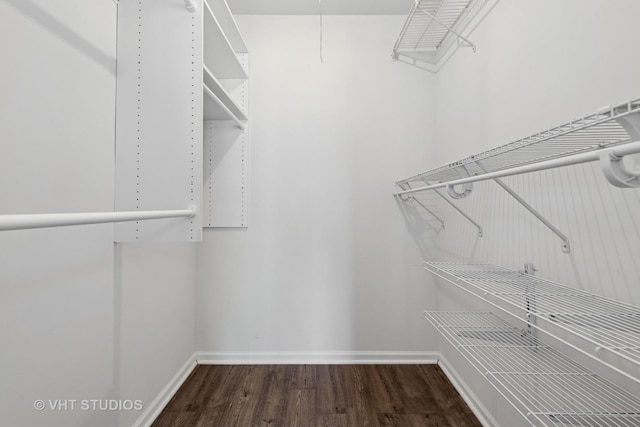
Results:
616 172
466 188
453 205
613 165
565 246
190 5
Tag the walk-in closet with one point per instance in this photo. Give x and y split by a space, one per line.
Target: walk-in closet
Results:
319 213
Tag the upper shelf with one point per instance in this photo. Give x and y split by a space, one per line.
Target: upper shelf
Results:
221 11
433 26
610 126
218 105
221 42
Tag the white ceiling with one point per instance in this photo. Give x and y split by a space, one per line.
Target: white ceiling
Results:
312 7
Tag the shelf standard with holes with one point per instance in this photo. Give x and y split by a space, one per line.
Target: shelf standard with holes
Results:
546 387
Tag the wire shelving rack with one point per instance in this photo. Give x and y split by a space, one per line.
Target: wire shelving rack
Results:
433 26
601 129
546 387
597 326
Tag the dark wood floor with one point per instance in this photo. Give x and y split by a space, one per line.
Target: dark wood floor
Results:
317 396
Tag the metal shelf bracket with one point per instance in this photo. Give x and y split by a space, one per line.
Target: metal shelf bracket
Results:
428 210
566 246
453 205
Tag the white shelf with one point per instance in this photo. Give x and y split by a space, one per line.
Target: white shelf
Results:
223 107
612 126
433 26
601 327
546 387
228 24
219 55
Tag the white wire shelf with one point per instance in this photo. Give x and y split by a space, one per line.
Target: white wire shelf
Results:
589 133
432 27
603 324
546 387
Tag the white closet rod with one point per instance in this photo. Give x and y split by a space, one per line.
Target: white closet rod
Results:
620 151
23 222
215 99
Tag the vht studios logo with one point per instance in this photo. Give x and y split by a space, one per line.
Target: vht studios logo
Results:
88 405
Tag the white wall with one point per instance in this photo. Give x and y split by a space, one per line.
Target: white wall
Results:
76 322
539 64
155 305
327 263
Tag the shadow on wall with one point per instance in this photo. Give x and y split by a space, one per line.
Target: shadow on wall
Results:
425 218
422 223
57 28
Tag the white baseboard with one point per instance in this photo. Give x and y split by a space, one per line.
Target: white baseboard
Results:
153 410
479 410
316 357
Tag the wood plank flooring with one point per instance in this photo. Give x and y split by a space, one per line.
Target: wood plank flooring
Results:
317 396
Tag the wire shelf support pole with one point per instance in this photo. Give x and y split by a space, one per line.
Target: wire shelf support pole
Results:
566 246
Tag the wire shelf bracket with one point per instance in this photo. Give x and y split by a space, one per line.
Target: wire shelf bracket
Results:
546 387
428 210
566 246
457 208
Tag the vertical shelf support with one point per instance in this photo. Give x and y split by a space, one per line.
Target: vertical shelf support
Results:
566 247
